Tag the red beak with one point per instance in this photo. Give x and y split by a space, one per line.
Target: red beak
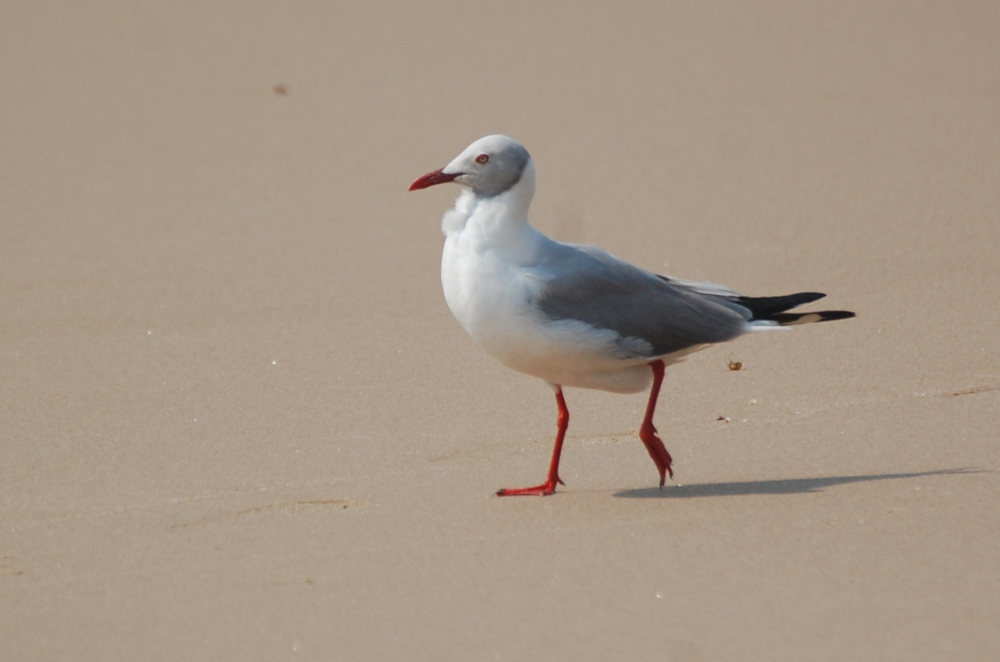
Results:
433 178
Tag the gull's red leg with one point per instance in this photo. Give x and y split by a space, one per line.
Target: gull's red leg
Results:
647 433
549 486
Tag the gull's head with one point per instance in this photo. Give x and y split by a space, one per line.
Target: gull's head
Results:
489 166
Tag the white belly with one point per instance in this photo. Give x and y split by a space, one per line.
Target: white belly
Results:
491 298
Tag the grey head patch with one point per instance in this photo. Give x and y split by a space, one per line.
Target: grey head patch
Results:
504 169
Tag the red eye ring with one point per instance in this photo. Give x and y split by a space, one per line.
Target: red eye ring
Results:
482 159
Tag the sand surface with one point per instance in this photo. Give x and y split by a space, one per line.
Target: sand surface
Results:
237 421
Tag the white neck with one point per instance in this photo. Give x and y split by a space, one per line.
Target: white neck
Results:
494 216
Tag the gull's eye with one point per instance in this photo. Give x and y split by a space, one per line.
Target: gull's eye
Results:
482 159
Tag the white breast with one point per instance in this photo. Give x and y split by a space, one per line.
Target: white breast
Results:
489 286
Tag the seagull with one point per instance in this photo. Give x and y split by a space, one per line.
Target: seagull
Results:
574 315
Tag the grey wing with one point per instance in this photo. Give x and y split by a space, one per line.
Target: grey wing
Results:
586 284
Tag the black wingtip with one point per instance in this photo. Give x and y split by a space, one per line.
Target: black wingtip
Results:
765 308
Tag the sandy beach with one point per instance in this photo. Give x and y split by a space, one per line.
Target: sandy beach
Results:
238 422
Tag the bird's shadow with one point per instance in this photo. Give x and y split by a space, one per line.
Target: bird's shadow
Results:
781 486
